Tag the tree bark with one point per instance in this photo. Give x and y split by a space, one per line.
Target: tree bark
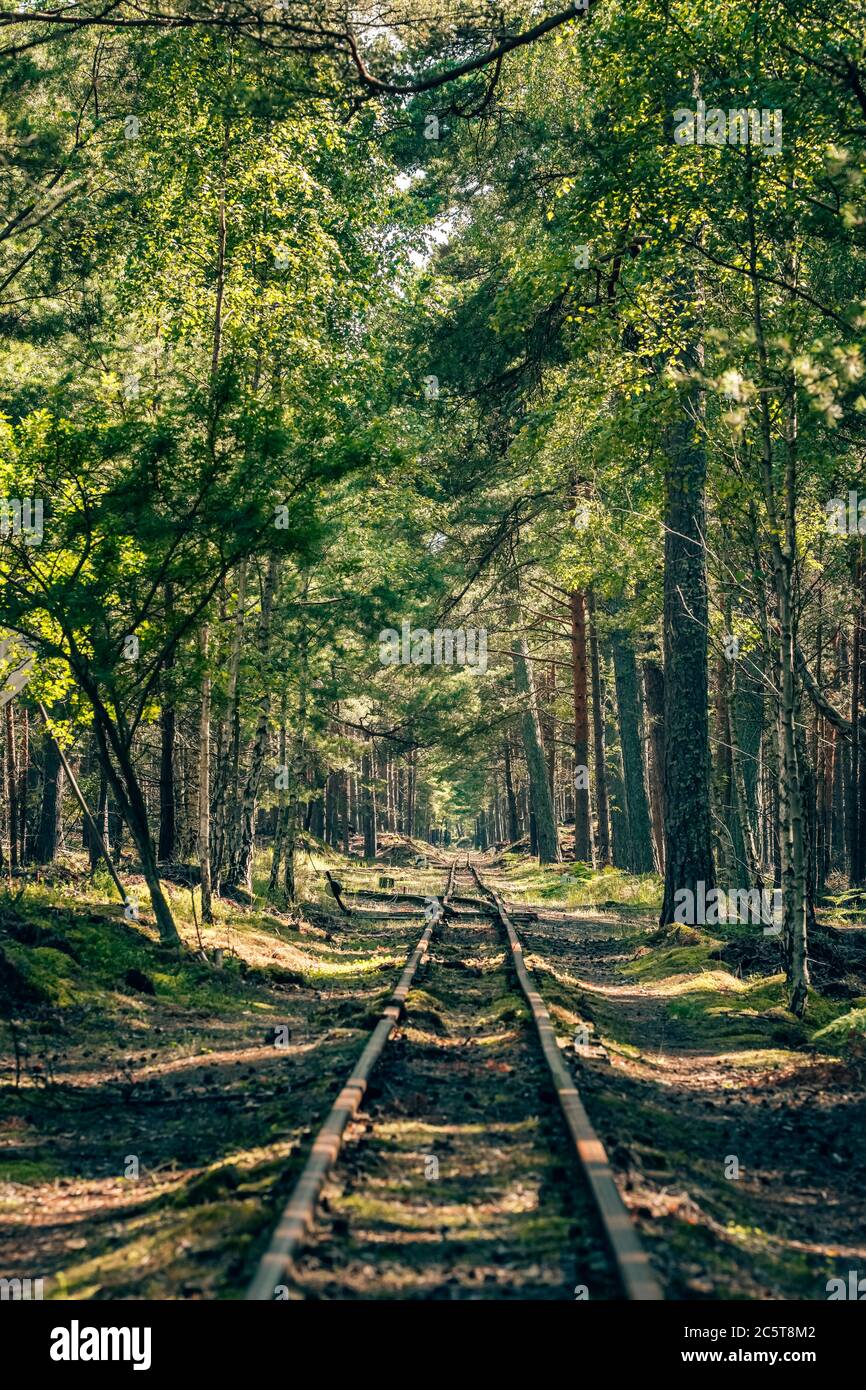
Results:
631 742
542 800
23 775
12 785
368 801
204 845
654 697
688 854
126 787
513 823
582 805
602 804
47 836
226 797
167 830
167 730
240 870
854 768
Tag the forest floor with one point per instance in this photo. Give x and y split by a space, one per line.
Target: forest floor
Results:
155 1111
696 1072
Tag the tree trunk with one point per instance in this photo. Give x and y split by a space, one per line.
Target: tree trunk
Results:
126 787
204 845
167 832
542 801
23 775
861 684
167 729
856 758
654 698
240 870
602 804
688 855
582 816
513 823
791 811
631 742
411 792
47 836
101 818
746 718
781 525
227 797
730 852
282 802
619 825
368 801
344 810
12 785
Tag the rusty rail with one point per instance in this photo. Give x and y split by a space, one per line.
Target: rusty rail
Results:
298 1213
638 1280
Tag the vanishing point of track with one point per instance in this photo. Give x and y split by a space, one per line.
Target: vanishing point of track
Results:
292 1234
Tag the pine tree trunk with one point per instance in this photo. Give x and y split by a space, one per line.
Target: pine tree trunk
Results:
579 673
654 698
204 844
127 792
344 810
101 818
791 811
688 855
602 803
240 868
747 723
730 852
167 730
368 802
411 793
226 794
282 803
167 832
47 837
781 525
861 684
856 757
631 742
542 801
621 855
23 776
12 785
513 823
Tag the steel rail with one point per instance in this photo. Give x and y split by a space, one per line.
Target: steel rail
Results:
297 1216
638 1280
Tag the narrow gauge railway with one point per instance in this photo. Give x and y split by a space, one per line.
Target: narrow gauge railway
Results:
467 1165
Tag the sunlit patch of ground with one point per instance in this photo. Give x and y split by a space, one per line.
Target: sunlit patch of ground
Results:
737 1145
147 1141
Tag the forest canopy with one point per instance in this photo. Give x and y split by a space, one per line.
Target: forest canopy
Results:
523 348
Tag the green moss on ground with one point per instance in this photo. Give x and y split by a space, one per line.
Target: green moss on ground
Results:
185 1077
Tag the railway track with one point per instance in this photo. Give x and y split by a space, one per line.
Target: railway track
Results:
459 1078
635 1271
